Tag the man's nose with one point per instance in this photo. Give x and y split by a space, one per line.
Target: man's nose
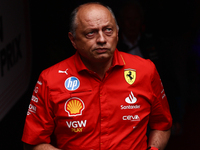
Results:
101 38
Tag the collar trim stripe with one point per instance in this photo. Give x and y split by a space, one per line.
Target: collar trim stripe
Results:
123 59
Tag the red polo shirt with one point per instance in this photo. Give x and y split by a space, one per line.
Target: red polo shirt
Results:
73 108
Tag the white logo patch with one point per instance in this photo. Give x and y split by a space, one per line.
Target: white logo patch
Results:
131 118
76 124
60 71
131 99
34 98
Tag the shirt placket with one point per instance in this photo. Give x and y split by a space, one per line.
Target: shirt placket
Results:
104 137
104 112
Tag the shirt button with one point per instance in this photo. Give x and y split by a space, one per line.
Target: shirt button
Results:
101 119
101 143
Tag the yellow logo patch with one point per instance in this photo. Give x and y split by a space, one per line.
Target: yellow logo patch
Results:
130 75
74 106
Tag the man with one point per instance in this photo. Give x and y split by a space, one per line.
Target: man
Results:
99 98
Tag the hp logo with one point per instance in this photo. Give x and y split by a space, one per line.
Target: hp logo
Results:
72 83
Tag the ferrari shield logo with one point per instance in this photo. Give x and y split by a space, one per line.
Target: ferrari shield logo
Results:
130 75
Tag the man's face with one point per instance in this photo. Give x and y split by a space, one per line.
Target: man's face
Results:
96 33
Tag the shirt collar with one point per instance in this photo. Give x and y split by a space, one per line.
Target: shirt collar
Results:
118 60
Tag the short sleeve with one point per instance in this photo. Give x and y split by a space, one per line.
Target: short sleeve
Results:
39 122
160 116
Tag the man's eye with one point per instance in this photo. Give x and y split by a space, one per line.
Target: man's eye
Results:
108 31
90 33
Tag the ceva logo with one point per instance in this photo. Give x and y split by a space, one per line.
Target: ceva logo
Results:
131 118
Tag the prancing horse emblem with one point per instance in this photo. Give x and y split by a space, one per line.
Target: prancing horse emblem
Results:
130 75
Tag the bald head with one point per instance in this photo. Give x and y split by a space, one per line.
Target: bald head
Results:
85 10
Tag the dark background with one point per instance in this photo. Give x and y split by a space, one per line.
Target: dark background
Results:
50 44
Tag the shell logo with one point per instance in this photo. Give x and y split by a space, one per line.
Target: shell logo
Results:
74 106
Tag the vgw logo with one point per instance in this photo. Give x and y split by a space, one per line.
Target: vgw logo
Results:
72 83
76 126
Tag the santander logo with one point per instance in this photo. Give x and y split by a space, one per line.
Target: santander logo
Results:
131 99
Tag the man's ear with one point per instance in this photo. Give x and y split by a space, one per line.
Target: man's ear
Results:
72 39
